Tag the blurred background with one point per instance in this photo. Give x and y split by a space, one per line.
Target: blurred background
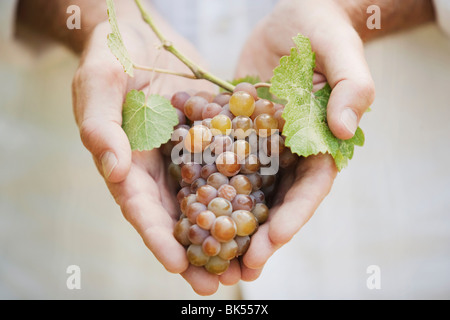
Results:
389 208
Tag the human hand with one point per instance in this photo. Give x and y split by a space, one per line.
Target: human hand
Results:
339 56
137 180
340 62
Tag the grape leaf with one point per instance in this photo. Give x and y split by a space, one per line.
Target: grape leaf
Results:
148 124
115 41
306 128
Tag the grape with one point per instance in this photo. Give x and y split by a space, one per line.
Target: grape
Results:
278 116
205 219
210 246
243 202
242 127
217 179
222 98
193 107
251 164
181 116
227 163
265 125
179 99
187 201
206 122
181 231
241 184
242 104
274 145
207 170
222 203
243 244
174 172
242 149
261 212
258 195
197 184
190 172
263 106
220 207
182 193
247 87
193 209
223 229
228 250
220 124
206 193
206 95
217 265
246 222
179 134
227 192
255 180
198 138
221 143
211 110
196 256
226 111
197 235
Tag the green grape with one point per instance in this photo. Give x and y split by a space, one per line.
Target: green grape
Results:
221 124
242 104
217 265
196 256
246 223
265 125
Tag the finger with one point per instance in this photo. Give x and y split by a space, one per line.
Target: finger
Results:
140 201
201 281
98 97
232 275
314 178
341 59
248 274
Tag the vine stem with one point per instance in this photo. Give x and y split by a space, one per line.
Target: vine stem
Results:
198 72
165 71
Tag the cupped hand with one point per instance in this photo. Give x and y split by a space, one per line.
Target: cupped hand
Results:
340 62
339 55
137 180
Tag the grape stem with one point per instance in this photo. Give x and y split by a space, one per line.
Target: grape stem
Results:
198 72
262 85
165 71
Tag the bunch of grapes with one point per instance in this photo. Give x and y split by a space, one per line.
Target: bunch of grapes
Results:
224 183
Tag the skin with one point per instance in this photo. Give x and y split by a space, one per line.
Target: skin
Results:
138 180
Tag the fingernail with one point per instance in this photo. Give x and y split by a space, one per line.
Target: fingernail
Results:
109 162
350 120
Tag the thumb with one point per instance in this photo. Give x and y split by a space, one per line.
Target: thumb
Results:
342 61
97 102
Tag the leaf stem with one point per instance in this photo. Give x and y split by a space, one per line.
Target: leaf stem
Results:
198 72
165 71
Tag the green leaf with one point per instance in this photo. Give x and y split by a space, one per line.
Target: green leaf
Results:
148 124
306 128
115 41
